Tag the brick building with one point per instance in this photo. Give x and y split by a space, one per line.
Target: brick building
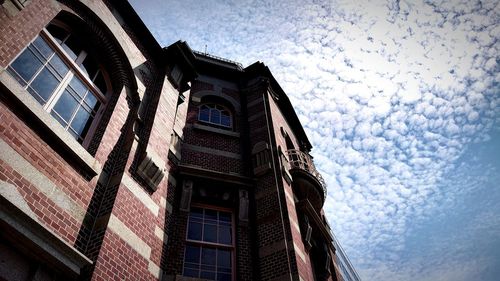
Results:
123 160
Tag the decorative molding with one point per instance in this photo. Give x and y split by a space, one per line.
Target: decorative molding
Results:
212 151
187 192
216 130
198 96
243 206
285 166
175 147
261 158
152 169
198 172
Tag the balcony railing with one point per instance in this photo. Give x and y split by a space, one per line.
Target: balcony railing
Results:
301 160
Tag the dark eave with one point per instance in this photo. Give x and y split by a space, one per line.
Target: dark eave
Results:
217 67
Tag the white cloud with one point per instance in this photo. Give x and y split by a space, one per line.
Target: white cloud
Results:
390 93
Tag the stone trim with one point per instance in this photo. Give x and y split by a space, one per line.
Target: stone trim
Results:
299 252
24 98
127 235
198 172
212 151
154 269
40 181
140 194
216 130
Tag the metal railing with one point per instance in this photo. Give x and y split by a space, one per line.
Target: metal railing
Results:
301 160
239 65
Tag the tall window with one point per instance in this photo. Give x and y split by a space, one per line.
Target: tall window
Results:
209 245
65 79
215 114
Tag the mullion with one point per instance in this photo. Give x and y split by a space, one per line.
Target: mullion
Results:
76 97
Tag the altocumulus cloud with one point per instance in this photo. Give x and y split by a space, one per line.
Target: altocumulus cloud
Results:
391 93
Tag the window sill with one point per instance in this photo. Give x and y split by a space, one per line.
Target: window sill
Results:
58 138
216 130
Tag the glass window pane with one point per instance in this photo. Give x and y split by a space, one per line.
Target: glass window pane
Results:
225 120
223 277
204 113
100 83
43 47
26 65
80 121
66 105
196 213
89 67
62 122
194 231
215 116
75 135
224 258
72 47
207 275
45 84
57 32
192 254
225 235
91 100
210 215
208 256
57 63
224 216
77 85
190 272
210 233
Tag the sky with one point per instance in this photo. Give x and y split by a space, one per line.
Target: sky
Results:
401 102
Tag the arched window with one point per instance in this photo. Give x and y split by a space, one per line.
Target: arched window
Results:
215 114
64 78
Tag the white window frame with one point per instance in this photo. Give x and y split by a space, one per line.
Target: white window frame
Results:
73 70
213 106
201 243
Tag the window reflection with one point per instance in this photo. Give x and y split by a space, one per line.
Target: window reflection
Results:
58 85
208 254
215 114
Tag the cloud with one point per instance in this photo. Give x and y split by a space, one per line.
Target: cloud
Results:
391 93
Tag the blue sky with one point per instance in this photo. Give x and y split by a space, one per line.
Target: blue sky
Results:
401 102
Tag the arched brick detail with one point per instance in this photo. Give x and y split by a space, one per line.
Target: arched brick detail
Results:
231 101
110 54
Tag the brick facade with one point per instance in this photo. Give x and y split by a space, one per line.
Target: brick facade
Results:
118 207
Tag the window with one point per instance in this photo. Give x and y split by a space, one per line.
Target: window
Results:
66 80
209 247
215 114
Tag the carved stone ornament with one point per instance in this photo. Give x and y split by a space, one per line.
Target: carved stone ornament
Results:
187 192
151 170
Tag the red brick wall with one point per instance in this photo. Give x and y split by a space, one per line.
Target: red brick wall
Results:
16 32
279 121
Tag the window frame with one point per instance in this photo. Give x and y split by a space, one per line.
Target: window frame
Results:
74 70
215 105
200 243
